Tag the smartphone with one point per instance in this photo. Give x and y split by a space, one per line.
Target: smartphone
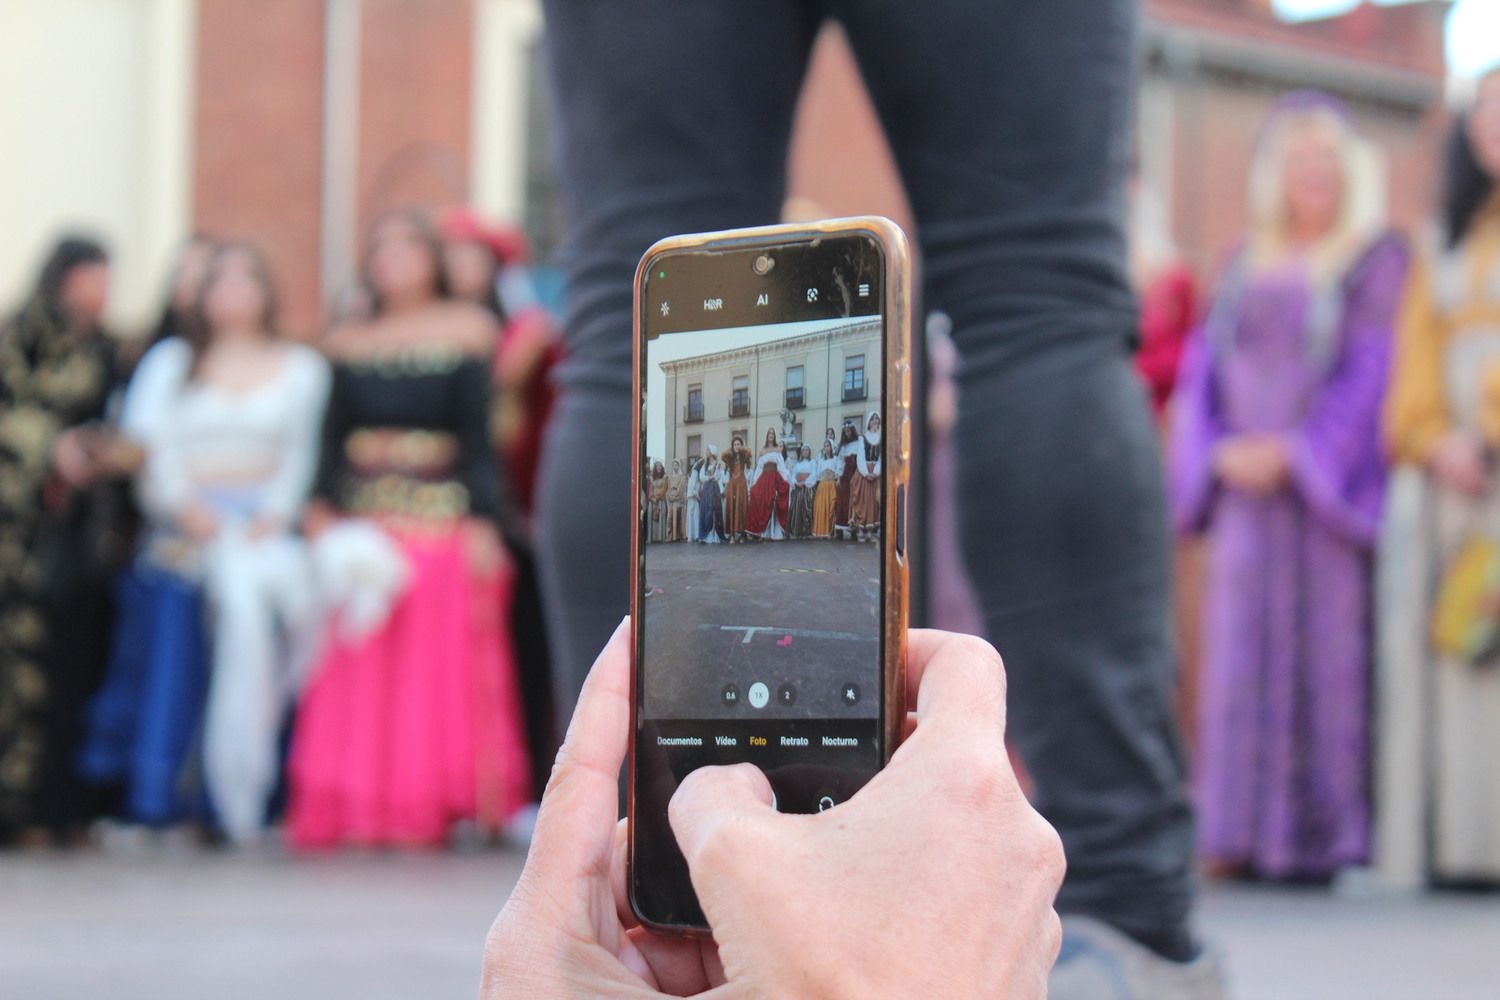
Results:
769 604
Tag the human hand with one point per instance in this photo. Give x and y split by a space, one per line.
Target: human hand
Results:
319 516
1459 462
936 879
198 522
113 454
486 552
567 929
71 459
1255 463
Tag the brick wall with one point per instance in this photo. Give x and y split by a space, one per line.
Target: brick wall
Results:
258 123
415 104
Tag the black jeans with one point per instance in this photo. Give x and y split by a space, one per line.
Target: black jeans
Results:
1010 121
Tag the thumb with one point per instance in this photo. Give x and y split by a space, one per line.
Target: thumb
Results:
713 803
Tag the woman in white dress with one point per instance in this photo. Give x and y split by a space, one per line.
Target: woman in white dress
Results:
690 500
228 415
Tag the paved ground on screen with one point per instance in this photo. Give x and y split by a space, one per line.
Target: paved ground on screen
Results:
385 927
791 613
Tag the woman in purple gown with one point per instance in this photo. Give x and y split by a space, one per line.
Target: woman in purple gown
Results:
1275 454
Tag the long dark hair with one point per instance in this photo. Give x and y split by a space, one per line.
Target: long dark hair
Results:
196 329
172 320
71 252
1467 186
426 232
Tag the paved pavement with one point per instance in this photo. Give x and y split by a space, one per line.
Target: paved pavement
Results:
382 927
799 617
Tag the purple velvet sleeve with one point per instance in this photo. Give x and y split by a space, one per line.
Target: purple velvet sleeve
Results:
1196 430
1336 461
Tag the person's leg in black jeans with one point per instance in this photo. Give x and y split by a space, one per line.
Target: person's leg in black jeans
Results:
1011 126
1010 122
673 117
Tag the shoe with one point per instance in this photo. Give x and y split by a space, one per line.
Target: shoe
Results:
1098 962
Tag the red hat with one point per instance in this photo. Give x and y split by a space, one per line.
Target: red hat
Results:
506 242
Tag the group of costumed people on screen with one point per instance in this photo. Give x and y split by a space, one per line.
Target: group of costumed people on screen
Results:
784 492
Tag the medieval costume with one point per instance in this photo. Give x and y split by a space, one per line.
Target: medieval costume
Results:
825 493
690 500
850 448
61 546
710 499
175 681
864 488
675 486
656 504
414 724
1294 351
800 508
766 517
737 492
1440 707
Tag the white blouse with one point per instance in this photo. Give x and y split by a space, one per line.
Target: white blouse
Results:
807 467
769 458
867 468
198 435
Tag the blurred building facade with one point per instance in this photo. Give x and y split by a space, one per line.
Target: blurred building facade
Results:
287 122
799 387
1213 68
294 122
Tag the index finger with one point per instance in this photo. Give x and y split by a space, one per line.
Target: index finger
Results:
956 677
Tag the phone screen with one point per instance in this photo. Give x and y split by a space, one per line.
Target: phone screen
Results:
759 619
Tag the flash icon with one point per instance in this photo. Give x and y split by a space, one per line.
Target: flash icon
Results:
666 308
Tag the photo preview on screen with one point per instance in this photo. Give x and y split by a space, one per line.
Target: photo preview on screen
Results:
770 438
762 490
762 556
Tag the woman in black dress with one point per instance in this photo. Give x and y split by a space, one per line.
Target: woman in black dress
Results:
62 538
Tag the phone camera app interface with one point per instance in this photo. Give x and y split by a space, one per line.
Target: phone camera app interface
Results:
762 487
762 500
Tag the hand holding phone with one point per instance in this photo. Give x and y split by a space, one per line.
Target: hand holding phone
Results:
773 633
936 878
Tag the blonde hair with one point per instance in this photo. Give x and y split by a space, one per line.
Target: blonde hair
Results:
1360 217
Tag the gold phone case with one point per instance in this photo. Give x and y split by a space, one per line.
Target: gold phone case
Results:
896 369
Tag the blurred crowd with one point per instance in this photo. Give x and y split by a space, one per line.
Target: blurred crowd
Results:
1331 414
249 581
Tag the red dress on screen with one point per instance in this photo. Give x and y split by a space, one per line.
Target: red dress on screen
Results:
768 497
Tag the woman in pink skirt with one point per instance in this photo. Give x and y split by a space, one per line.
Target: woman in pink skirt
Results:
411 720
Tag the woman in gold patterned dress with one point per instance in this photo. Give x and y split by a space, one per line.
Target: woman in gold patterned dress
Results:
61 535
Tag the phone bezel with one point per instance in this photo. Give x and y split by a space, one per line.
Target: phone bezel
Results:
895 542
